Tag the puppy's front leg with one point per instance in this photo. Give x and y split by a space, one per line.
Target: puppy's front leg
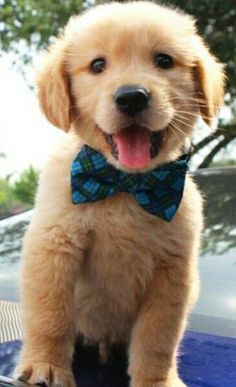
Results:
51 263
158 330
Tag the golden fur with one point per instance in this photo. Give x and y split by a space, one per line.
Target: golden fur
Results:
109 270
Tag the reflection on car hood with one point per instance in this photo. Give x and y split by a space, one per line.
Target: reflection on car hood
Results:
11 232
219 188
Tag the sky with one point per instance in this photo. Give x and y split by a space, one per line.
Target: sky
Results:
26 137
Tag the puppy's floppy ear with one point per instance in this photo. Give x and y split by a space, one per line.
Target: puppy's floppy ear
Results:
53 86
210 80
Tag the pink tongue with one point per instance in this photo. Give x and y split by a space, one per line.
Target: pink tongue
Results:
133 147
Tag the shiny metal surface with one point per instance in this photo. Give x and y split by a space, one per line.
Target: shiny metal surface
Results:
10 382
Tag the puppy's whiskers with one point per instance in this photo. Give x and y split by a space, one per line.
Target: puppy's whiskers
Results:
190 114
175 123
183 112
183 122
172 127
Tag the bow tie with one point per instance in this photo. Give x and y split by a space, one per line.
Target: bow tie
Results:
158 191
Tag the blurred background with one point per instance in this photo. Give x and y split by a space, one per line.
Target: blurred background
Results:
26 28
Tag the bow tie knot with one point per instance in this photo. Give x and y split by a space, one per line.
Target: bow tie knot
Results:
158 191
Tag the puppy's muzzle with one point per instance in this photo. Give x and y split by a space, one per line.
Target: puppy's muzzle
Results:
131 99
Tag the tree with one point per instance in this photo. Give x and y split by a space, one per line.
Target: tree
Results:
25 187
220 204
34 22
216 20
227 162
18 196
6 196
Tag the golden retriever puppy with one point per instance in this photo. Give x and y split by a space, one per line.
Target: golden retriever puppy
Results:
129 81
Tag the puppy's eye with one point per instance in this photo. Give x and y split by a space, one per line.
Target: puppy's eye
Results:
164 61
98 65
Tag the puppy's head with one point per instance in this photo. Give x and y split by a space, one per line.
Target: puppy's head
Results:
131 79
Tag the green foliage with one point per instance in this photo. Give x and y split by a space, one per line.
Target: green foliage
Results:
25 187
33 22
18 196
219 210
216 20
223 163
6 196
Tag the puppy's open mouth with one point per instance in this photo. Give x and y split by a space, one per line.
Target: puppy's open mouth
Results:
134 146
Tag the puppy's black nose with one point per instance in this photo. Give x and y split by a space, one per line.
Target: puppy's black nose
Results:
131 99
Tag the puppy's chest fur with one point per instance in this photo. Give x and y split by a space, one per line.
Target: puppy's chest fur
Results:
127 247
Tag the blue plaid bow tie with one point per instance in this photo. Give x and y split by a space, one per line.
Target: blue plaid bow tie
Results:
159 191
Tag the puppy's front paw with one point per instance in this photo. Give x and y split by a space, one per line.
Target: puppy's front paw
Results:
168 383
44 374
